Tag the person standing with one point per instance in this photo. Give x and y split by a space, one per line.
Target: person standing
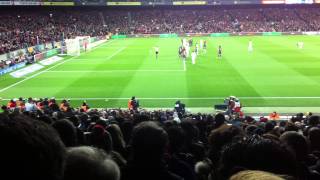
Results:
156 49
250 46
219 52
134 103
193 57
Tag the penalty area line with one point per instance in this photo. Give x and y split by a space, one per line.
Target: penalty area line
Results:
115 53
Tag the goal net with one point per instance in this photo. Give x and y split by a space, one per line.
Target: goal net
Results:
85 42
73 47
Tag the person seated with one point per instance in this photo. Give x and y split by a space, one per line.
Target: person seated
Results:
274 116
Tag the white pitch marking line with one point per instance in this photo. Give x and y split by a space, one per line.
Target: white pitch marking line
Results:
37 74
115 53
182 98
121 70
30 77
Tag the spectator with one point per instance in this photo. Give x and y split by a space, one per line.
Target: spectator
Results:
179 108
30 149
117 138
251 175
84 107
11 104
30 105
298 144
274 116
256 153
313 121
314 136
133 103
67 132
154 145
83 163
148 145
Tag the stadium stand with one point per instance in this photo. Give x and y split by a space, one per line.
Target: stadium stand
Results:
46 139
153 144
20 29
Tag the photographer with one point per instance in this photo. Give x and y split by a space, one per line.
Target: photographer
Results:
180 108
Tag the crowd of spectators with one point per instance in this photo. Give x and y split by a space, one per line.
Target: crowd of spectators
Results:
280 19
47 139
20 29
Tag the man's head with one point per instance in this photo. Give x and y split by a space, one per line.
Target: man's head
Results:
29 149
256 153
83 163
297 143
67 132
314 136
314 120
148 141
219 119
254 175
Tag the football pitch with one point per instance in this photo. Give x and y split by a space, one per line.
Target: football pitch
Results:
276 74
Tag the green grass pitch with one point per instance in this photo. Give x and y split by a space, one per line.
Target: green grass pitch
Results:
276 73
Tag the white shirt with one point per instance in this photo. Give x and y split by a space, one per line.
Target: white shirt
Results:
31 107
193 55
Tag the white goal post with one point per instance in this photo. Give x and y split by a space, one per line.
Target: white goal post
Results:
85 42
73 47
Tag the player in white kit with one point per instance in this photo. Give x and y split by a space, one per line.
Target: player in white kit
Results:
201 43
250 46
184 42
193 57
187 50
300 45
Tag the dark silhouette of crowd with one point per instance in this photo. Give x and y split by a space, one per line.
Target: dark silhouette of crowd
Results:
20 28
47 139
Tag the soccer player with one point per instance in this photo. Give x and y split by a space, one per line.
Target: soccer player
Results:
205 46
180 51
197 48
250 46
184 42
85 44
300 45
219 52
193 57
201 44
156 49
183 54
190 42
187 49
